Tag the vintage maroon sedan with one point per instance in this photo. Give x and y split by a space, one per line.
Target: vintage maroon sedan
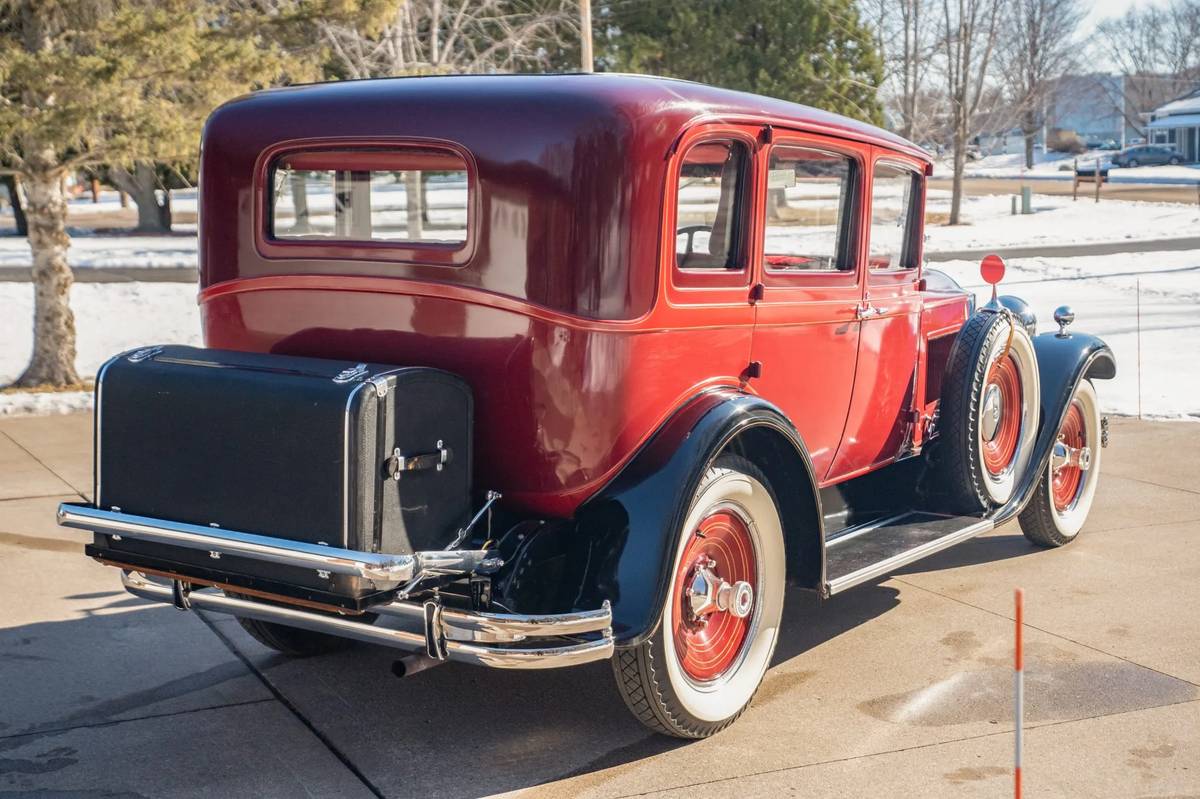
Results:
536 371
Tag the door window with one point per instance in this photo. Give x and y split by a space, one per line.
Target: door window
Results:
808 213
710 198
894 201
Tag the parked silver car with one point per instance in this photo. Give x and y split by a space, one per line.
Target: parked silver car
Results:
1147 155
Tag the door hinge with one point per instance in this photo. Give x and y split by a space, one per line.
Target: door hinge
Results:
756 293
768 134
754 370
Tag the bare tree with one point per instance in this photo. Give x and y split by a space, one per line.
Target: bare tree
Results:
968 41
1155 40
1036 49
1157 51
906 36
447 36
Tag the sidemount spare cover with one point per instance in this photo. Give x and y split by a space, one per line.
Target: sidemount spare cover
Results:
297 448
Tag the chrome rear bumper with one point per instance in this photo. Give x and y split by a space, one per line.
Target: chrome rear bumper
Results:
383 570
500 640
487 639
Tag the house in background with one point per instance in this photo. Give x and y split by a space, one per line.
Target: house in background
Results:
1178 123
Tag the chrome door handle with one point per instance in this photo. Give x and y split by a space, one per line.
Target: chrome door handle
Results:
867 311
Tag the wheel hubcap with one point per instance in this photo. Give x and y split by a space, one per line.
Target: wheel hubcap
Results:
715 596
1000 423
1070 459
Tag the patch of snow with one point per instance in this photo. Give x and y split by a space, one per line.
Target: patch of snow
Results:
100 251
1055 221
109 318
1104 292
1059 166
44 403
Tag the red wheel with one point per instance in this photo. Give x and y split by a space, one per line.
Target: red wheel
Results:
700 668
1000 426
1069 476
715 587
1063 497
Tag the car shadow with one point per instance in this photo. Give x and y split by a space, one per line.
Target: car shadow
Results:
976 551
520 728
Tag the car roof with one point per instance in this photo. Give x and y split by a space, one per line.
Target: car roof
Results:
676 102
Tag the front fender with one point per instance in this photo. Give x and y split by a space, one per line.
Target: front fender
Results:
1063 361
631 527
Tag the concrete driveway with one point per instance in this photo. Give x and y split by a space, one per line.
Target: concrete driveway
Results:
900 688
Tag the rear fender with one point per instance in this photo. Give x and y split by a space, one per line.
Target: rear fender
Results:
630 529
1063 361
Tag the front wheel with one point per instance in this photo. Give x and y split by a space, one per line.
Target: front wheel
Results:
1065 492
720 622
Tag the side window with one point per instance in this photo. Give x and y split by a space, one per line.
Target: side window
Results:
894 202
401 196
709 218
809 195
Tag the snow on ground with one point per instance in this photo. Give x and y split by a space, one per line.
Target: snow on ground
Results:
110 202
100 251
1055 221
1104 293
1103 290
1059 166
109 318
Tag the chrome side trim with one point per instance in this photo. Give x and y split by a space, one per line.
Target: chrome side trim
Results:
346 466
542 657
887 565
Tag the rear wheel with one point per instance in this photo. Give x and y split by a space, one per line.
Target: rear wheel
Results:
702 666
988 413
1065 492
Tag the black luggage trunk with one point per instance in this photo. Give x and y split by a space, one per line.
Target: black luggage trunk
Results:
297 448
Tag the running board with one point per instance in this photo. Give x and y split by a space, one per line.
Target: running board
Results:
874 550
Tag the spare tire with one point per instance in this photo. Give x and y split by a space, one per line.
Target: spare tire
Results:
989 412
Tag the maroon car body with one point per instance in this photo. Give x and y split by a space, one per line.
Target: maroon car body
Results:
705 356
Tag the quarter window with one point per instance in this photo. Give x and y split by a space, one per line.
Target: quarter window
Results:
405 196
708 210
893 223
808 211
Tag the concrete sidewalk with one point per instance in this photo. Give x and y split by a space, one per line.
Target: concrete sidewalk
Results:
900 688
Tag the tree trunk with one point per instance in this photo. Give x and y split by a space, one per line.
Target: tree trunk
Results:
53 361
142 185
776 199
1029 128
299 186
413 205
13 184
960 163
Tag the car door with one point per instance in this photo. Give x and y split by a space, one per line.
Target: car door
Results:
809 253
880 415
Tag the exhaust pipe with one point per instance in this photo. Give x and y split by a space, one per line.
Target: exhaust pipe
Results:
412 664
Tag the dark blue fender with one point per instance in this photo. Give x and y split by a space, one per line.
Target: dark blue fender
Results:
1063 361
631 528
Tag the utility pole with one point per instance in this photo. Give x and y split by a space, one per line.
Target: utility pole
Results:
585 34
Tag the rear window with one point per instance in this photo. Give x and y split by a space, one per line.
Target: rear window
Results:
410 196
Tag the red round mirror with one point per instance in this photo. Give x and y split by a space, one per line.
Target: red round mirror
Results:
992 269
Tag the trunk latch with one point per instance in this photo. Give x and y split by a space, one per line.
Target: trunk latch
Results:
400 463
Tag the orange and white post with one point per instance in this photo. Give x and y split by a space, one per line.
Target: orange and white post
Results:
1019 668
